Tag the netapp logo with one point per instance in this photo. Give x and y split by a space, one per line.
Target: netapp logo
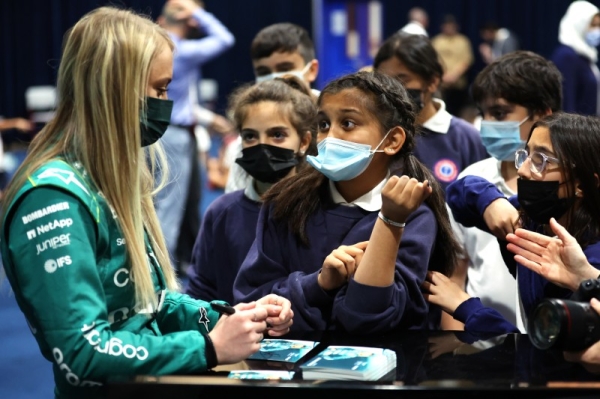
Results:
40 213
56 224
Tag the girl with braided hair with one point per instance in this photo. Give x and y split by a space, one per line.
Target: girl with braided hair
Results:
350 240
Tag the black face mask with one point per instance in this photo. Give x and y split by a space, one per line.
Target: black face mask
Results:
267 163
415 96
155 121
539 200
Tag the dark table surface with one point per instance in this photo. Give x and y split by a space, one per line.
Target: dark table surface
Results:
429 364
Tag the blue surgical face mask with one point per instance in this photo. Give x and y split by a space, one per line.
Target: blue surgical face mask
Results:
341 160
299 74
502 139
592 37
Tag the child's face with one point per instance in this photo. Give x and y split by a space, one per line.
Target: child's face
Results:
267 123
395 68
498 109
344 116
282 62
540 142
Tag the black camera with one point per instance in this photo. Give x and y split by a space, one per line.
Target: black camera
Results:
567 324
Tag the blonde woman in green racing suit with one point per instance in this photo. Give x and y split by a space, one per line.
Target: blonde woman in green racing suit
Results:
80 241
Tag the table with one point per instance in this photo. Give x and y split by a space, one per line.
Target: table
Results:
429 364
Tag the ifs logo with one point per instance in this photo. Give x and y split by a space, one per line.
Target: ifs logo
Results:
51 265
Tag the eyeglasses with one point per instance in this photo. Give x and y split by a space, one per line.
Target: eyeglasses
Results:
538 163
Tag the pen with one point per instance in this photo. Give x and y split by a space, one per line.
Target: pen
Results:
223 309
228 310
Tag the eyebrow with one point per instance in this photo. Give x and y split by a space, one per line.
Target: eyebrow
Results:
543 149
285 64
495 107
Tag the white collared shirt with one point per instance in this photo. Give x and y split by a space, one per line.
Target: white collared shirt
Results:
250 192
440 121
370 201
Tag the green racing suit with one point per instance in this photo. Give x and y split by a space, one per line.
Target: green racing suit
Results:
65 258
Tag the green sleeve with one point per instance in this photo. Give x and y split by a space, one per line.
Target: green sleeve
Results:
182 312
62 292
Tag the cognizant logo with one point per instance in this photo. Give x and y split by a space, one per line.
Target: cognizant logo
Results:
114 346
71 377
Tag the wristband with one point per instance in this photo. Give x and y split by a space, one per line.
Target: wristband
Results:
390 222
210 353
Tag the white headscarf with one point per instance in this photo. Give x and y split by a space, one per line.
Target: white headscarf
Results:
575 24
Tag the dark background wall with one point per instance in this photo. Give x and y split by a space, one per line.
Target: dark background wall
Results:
31 32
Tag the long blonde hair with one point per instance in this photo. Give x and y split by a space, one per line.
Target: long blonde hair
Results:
102 81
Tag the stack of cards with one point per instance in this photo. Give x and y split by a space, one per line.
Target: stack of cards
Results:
350 363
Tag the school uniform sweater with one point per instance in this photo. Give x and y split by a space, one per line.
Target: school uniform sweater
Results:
468 198
448 144
278 263
227 232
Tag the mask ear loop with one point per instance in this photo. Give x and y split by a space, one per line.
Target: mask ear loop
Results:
381 142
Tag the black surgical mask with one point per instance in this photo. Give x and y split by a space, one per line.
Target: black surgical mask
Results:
267 163
539 200
415 96
156 120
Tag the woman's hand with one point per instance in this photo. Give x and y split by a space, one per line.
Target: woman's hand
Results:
340 265
237 336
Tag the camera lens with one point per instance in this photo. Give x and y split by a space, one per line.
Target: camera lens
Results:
564 324
545 324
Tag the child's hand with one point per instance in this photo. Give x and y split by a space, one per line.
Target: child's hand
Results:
401 196
341 265
501 217
443 292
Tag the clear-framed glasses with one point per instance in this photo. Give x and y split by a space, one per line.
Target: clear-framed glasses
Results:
538 163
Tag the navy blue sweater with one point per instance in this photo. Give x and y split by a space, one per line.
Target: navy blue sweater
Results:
468 198
448 154
227 232
278 263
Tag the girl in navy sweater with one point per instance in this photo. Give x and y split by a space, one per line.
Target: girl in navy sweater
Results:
347 242
558 178
275 120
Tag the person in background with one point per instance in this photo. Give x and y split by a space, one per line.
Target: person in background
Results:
180 18
456 56
446 144
81 243
346 240
497 41
275 119
276 50
21 124
513 93
558 178
576 57
418 22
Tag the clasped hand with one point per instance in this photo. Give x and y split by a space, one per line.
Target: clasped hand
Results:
237 336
